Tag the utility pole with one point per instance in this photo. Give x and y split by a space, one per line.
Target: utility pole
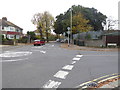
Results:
71 23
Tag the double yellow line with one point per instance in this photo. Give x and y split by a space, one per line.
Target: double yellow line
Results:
111 76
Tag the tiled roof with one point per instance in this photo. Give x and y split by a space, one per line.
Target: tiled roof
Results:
8 23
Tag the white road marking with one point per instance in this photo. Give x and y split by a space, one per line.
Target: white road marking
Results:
52 84
77 59
73 62
43 52
53 45
13 60
37 47
68 67
61 74
15 54
8 51
35 50
79 55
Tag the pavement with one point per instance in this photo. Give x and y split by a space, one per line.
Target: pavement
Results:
75 47
111 84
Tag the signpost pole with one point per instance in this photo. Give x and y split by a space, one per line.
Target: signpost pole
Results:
68 36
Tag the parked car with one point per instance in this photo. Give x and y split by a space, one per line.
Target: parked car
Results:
39 42
63 40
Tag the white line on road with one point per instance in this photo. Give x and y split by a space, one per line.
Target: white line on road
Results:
73 62
15 54
40 51
53 45
79 55
68 67
43 52
77 59
52 84
35 50
37 47
13 60
61 74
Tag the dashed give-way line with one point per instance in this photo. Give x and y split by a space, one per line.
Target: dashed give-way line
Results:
68 67
62 74
77 59
51 84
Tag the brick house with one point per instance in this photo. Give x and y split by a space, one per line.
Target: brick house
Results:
10 30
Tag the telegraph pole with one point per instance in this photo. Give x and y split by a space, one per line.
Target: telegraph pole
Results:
71 23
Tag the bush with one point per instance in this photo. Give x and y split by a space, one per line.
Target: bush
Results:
79 43
23 40
88 37
52 38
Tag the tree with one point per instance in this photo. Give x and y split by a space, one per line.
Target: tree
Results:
80 24
60 24
95 18
48 22
44 22
39 22
110 23
31 36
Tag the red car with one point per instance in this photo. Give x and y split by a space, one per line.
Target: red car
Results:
39 42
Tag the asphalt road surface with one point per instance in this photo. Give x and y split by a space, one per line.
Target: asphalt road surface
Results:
50 66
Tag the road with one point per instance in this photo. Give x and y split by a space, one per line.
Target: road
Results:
50 66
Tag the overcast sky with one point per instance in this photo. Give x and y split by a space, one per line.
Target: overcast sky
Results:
20 12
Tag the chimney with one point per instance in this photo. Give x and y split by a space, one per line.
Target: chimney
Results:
4 18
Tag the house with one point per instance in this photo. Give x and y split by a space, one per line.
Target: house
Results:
10 30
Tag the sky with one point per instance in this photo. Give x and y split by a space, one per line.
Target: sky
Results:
20 12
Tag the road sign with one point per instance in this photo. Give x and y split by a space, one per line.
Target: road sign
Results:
68 28
68 32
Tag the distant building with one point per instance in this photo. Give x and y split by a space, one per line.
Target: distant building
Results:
37 33
10 30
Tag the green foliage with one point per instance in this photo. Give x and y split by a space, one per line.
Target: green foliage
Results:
80 24
91 17
23 40
44 22
96 18
88 36
32 35
52 37
1 37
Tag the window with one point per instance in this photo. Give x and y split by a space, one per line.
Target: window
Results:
11 29
10 36
17 37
